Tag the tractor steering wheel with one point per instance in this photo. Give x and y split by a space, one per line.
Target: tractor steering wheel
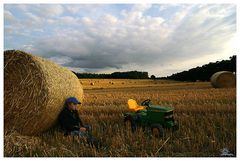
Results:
146 102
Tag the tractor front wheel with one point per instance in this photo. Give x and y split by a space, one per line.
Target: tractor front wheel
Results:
129 125
157 131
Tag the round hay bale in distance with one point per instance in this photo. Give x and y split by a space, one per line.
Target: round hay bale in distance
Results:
35 91
223 79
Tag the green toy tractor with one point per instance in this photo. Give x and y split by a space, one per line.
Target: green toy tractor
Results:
150 116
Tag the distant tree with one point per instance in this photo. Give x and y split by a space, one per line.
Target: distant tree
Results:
233 63
117 75
153 77
130 75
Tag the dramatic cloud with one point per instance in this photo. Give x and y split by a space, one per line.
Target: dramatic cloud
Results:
160 39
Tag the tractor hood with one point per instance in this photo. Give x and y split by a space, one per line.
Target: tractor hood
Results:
158 108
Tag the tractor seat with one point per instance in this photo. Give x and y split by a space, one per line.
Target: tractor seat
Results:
133 106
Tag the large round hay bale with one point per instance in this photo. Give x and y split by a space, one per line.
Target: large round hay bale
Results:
35 90
223 79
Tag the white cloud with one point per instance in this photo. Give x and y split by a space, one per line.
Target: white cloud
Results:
141 7
47 10
68 21
109 19
42 10
73 8
8 17
61 60
32 21
8 30
87 21
28 47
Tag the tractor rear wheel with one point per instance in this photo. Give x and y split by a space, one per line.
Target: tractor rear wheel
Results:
157 130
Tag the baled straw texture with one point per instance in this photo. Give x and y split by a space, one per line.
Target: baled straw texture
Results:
223 79
35 90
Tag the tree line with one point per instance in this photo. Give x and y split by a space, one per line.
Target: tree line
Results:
115 75
202 73
205 72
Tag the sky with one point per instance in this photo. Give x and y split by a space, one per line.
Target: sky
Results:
160 39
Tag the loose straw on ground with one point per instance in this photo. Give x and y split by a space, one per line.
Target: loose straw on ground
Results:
162 145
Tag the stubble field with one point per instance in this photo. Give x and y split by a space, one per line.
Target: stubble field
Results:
206 117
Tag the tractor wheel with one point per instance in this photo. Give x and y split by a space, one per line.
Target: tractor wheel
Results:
157 131
175 127
129 125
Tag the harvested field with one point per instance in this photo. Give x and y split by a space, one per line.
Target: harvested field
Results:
207 118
